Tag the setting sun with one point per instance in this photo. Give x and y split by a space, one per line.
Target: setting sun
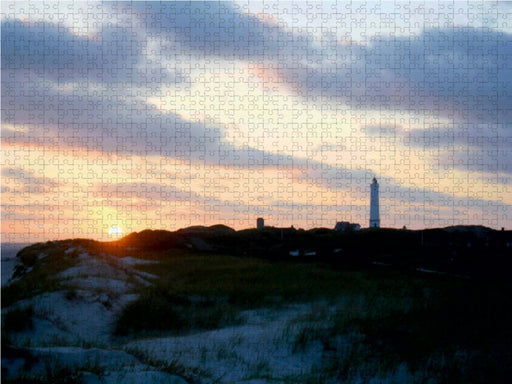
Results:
115 231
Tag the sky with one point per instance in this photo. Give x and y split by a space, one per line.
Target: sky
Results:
162 115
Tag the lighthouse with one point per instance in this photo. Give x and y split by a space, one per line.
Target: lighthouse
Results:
374 204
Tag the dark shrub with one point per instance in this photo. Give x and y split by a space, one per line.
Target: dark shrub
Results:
18 320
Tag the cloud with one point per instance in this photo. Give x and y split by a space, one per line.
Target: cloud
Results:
42 113
485 148
144 191
114 55
27 213
24 181
220 29
381 130
460 73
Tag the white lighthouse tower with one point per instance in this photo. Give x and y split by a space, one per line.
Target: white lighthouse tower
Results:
374 204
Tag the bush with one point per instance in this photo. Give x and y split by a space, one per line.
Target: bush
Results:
156 311
151 312
18 320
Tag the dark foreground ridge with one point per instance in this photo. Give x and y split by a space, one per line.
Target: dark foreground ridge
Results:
458 250
462 251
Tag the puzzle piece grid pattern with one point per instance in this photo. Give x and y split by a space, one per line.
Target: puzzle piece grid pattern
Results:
165 115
